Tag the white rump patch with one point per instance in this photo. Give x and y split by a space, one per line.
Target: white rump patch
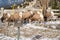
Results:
8 14
38 12
20 14
31 12
41 15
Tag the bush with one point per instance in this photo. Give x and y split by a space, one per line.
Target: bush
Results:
54 5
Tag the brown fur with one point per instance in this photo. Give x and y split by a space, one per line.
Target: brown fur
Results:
36 17
5 15
26 15
48 16
14 17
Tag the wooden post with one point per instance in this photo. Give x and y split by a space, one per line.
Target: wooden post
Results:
18 33
18 24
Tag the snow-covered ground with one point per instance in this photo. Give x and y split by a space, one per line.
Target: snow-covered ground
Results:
29 31
3 37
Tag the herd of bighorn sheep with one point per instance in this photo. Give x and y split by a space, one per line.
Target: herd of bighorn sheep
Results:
25 16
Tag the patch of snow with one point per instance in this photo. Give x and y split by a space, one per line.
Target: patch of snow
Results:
53 22
49 39
33 26
3 37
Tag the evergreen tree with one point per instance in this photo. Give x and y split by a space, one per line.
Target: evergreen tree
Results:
54 4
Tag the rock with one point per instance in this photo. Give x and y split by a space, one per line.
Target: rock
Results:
36 37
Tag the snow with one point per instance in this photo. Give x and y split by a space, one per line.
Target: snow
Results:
3 37
33 26
49 39
29 25
53 22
